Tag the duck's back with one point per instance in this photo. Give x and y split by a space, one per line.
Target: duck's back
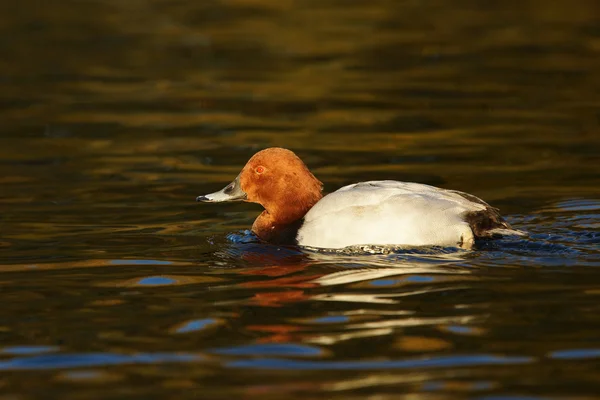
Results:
397 213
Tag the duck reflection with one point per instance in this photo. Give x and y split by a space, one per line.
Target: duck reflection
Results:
372 294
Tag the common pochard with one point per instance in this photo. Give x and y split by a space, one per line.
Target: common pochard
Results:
366 213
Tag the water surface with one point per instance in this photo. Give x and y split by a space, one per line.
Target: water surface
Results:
115 115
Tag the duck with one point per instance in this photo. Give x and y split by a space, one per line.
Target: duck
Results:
378 213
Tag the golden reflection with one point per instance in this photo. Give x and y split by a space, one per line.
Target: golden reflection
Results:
106 302
421 344
379 379
52 266
89 376
332 338
414 321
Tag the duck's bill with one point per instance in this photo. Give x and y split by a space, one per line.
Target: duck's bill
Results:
231 192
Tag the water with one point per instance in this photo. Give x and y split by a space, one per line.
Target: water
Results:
115 115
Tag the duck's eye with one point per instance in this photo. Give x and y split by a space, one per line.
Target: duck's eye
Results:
260 169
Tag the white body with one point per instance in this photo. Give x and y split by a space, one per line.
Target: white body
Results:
389 213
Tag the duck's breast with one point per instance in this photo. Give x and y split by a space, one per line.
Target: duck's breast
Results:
388 213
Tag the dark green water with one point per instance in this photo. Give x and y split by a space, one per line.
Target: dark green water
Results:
115 115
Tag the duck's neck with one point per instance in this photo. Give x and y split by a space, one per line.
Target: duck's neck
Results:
280 224
270 230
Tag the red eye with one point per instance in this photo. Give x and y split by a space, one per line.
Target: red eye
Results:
260 169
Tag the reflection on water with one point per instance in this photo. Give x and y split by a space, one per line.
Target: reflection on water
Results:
60 361
116 284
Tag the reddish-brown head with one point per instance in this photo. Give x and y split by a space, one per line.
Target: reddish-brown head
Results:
276 179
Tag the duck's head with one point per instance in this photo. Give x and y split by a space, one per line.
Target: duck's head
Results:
278 180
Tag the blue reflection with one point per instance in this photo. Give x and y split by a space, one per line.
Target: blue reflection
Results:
195 325
54 361
579 205
156 281
274 349
384 282
332 319
459 329
244 236
419 278
576 354
247 244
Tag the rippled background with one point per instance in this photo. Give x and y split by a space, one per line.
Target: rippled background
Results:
116 114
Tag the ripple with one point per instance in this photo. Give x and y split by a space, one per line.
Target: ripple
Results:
161 280
88 376
22 350
436 362
140 262
415 272
57 361
421 344
575 354
156 281
196 325
514 397
462 329
576 205
358 250
458 385
331 319
381 297
272 349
